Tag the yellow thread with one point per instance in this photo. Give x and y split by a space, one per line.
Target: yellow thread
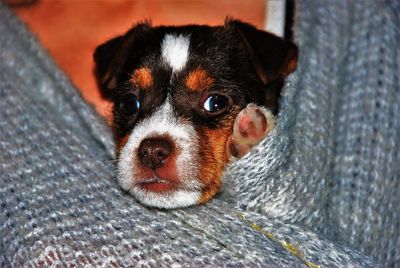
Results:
293 249
288 246
256 227
312 265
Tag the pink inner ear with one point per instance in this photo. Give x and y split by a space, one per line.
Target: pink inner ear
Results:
236 148
246 127
252 125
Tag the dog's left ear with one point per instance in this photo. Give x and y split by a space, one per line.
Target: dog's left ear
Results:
273 57
111 56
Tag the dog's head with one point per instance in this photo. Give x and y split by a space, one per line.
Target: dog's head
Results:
176 92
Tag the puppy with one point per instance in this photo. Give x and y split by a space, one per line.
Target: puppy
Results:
186 101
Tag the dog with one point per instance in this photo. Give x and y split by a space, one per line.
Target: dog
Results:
187 100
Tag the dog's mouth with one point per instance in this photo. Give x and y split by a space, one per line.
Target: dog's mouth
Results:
157 185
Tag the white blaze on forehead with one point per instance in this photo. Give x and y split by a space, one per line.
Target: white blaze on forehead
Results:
175 51
161 122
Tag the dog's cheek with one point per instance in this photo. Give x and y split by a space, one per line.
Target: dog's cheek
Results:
214 158
120 143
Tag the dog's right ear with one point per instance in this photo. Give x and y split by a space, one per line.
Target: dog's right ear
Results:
273 58
110 57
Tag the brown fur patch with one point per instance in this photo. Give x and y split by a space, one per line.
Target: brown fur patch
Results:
199 80
214 159
120 143
142 78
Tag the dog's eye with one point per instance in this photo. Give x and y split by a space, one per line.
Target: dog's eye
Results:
216 103
129 105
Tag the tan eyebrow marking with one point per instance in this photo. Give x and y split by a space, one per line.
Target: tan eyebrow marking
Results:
198 80
142 78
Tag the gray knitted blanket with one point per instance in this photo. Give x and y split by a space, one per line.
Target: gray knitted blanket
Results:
320 191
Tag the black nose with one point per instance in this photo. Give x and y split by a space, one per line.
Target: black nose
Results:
152 152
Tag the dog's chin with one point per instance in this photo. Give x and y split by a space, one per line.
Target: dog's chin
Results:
164 195
157 185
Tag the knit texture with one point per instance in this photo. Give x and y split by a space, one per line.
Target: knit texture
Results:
321 190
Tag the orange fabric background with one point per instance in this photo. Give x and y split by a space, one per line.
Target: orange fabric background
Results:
71 29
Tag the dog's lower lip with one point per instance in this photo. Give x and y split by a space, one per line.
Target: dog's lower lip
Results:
157 185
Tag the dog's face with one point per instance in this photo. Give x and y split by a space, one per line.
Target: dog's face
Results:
176 92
